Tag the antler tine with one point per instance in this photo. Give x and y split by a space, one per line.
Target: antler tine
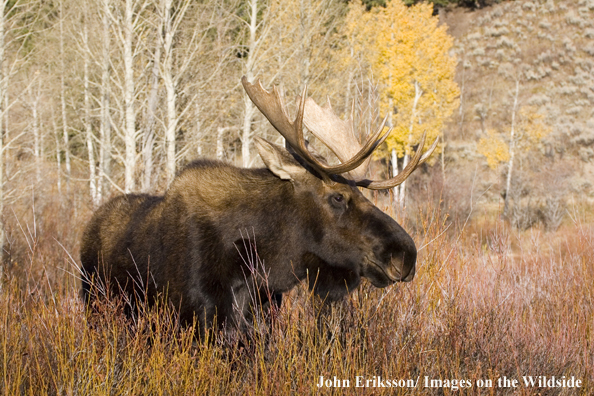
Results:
417 160
429 151
369 147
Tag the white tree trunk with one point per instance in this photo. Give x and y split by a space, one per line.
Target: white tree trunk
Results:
88 128
394 161
394 155
406 159
63 98
58 156
129 113
220 141
246 135
249 110
105 122
220 148
149 134
173 68
512 152
402 187
170 90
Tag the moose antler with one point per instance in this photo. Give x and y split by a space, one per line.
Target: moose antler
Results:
335 133
271 104
338 136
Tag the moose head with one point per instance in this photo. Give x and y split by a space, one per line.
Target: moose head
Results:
358 239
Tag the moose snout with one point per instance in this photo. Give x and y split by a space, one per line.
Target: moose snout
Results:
394 252
408 269
403 268
402 265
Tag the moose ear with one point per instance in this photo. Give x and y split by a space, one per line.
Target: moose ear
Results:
278 160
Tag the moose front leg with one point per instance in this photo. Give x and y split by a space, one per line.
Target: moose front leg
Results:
330 320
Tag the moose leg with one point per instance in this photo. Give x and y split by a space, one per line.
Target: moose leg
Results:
277 300
330 316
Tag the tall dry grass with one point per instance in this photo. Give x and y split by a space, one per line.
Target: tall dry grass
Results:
487 302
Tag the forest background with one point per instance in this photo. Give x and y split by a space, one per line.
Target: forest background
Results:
102 97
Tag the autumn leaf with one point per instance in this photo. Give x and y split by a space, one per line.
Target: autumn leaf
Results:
494 149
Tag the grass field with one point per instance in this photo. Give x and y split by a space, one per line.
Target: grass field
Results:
488 302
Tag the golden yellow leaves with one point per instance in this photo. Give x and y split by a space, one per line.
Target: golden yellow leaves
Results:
494 149
409 54
531 128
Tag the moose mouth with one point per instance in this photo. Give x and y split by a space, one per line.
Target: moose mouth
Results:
379 275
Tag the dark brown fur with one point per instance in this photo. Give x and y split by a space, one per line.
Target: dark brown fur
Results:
196 243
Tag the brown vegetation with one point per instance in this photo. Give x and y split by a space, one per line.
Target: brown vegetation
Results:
487 302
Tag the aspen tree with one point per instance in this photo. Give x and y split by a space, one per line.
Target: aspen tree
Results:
13 35
89 137
171 18
63 97
148 138
527 129
34 97
128 24
180 49
105 118
512 150
409 55
257 31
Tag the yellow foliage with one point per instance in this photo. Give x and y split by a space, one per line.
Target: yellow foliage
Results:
295 44
403 46
533 127
494 149
357 29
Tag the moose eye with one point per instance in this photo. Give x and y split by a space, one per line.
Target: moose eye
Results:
338 200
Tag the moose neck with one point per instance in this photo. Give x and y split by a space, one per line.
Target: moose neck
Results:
253 211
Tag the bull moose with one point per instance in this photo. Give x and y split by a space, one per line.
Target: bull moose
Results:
304 219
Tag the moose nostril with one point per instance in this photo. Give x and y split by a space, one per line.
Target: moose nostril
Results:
411 274
403 268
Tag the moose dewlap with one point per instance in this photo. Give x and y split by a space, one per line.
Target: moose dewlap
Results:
302 218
